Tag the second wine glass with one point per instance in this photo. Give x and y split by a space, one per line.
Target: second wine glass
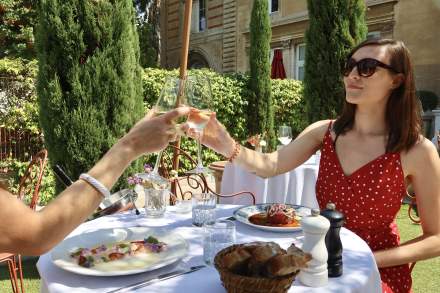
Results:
285 134
199 97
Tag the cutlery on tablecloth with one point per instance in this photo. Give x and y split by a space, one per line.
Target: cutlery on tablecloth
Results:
159 278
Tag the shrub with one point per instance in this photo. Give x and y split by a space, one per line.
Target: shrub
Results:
230 103
47 187
18 106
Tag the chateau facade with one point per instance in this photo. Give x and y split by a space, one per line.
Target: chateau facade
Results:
220 34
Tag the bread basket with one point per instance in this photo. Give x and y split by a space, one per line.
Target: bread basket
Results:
235 283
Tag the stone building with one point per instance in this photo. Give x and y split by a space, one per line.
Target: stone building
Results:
220 34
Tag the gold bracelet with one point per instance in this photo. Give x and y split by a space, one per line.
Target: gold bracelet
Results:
237 148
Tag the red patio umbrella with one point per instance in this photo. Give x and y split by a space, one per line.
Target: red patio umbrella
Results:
277 65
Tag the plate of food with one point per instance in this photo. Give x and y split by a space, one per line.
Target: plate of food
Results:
119 251
273 217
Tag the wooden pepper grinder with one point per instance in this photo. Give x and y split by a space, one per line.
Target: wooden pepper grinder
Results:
315 228
333 240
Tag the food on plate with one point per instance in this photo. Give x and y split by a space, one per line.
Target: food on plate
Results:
89 257
276 215
264 259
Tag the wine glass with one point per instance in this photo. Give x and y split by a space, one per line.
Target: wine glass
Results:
199 97
154 185
167 101
285 134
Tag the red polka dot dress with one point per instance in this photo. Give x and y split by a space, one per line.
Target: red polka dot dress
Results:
370 199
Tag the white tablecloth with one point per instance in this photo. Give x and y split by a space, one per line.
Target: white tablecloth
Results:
294 187
360 270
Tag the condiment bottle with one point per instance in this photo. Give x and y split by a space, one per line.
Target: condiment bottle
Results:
315 228
333 240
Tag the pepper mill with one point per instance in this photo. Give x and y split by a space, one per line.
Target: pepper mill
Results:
333 240
315 228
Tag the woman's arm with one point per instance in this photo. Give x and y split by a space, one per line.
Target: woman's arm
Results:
287 158
27 232
423 169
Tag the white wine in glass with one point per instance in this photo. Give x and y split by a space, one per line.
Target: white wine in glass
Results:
199 97
285 134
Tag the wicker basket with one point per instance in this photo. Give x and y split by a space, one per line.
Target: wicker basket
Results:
235 283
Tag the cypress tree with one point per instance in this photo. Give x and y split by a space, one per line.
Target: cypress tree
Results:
336 26
89 80
260 110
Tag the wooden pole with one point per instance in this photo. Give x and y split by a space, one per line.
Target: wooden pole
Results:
182 75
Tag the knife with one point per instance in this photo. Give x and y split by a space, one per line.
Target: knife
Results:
162 277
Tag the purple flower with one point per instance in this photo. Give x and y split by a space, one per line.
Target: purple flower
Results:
148 168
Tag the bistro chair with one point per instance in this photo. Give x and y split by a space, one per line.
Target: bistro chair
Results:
29 185
183 187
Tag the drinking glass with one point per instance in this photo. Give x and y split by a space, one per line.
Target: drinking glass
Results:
285 134
198 96
217 235
156 190
203 208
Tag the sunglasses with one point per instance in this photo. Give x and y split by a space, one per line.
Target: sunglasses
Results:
365 67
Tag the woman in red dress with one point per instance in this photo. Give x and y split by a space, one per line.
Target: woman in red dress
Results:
369 155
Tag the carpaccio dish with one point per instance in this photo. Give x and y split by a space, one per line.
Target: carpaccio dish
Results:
89 257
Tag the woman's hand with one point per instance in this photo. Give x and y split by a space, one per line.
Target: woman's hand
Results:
153 133
215 136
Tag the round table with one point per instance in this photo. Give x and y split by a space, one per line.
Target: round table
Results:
360 270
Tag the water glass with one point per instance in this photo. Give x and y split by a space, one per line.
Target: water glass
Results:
203 208
183 206
217 235
155 202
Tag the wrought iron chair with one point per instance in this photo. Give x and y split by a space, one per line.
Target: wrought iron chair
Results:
193 182
412 209
29 184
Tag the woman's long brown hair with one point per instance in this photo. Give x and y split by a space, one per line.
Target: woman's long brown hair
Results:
402 113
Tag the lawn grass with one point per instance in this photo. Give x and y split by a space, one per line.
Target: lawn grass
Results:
426 274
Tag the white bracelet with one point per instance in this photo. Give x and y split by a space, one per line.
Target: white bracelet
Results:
96 184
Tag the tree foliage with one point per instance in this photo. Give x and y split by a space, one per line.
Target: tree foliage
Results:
89 80
261 111
17 20
148 27
336 26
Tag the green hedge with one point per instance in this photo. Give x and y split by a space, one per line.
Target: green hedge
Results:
230 102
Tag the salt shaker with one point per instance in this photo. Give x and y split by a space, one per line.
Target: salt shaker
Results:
333 240
315 228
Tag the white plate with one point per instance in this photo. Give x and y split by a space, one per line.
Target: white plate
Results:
177 249
243 214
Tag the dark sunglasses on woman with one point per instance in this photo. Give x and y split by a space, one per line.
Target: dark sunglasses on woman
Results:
365 67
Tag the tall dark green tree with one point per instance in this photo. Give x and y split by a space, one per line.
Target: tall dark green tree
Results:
89 80
261 109
148 27
336 26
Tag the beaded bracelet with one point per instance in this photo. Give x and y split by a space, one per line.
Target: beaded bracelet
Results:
95 184
237 148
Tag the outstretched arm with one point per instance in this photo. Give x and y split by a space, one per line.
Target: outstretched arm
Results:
422 165
28 232
216 137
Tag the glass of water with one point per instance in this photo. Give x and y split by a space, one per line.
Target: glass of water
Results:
217 235
203 208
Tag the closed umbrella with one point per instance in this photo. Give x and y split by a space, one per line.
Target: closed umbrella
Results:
278 70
